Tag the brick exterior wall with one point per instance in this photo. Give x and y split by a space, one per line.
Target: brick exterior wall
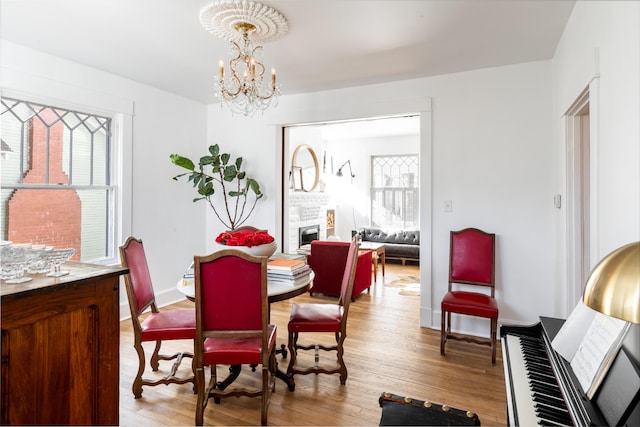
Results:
49 217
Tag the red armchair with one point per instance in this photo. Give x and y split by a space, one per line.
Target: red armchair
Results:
328 260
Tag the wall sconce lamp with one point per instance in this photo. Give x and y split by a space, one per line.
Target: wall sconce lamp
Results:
348 162
613 287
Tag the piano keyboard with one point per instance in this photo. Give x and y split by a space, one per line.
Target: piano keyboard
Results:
538 399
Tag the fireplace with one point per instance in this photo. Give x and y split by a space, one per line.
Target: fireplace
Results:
307 234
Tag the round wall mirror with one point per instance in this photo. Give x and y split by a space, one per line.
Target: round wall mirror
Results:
305 163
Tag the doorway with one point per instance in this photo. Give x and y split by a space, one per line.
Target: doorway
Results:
342 199
579 196
419 106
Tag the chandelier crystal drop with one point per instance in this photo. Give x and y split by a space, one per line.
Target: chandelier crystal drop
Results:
244 88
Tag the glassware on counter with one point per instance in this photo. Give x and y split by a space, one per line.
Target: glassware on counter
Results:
56 258
14 260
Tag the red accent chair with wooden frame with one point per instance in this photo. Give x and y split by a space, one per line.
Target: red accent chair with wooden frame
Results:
471 263
232 325
328 260
158 326
327 318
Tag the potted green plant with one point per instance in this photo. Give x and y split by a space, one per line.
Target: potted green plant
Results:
216 173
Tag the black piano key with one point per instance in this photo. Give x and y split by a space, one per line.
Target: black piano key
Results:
551 415
545 390
537 367
545 422
549 400
542 377
556 413
549 389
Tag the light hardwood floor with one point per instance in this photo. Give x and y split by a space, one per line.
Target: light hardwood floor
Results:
385 351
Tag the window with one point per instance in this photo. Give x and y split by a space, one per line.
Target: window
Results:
56 179
394 192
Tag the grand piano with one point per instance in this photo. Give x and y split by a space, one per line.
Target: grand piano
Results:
542 388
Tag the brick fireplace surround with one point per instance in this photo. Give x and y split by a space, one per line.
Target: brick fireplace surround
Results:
306 209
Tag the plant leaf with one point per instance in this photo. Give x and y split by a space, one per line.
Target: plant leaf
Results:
207 160
184 162
255 187
230 173
206 189
225 158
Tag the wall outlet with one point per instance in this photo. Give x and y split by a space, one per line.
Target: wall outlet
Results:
448 206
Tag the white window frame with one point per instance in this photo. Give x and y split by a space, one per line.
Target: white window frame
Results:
120 111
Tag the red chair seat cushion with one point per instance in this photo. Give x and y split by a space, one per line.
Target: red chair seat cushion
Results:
470 303
237 351
315 318
170 325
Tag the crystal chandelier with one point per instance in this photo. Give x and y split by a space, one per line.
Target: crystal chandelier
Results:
241 22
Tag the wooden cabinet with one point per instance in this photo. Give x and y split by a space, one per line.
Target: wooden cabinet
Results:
60 348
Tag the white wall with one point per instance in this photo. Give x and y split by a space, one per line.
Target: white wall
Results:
601 41
157 209
492 156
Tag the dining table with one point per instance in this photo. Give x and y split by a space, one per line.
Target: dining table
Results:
277 290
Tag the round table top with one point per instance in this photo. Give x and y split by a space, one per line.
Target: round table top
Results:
277 290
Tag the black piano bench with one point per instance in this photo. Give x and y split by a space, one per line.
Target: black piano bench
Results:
405 411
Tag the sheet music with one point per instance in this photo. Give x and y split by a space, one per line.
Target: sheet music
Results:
597 350
569 337
589 340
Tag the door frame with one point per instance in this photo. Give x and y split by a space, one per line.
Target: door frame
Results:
581 138
419 106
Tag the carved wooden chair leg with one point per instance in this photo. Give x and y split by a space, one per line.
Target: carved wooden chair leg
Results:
443 331
193 369
494 327
265 395
137 382
155 357
293 342
202 397
343 367
273 365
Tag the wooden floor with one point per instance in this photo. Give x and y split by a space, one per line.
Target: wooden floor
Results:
386 351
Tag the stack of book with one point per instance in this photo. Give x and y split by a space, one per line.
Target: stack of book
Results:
289 271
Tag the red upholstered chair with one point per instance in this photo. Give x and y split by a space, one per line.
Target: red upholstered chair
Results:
328 259
327 318
471 263
232 325
159 325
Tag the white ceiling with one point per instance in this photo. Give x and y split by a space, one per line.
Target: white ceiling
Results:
330 44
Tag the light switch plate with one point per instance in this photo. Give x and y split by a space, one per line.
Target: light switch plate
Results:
557 201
